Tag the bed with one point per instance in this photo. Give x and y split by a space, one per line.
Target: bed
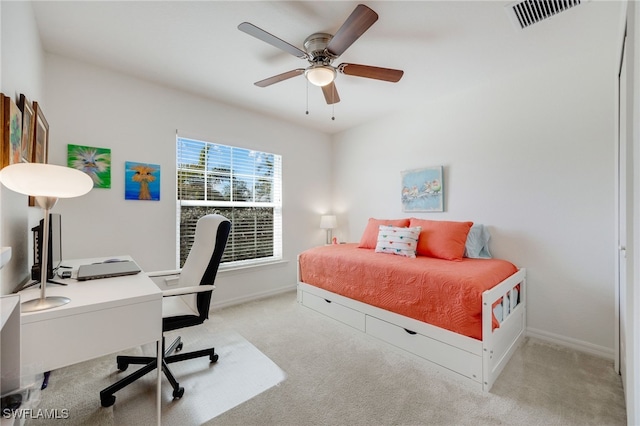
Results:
466 316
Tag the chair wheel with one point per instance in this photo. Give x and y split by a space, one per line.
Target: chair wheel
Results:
179 347
213 358
108 400
177 394
123 366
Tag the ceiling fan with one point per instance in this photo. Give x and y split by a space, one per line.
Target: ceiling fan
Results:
321 49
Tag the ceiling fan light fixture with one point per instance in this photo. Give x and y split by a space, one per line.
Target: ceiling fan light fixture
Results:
320 75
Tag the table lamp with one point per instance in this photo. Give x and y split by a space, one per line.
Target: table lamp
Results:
47 183
328 222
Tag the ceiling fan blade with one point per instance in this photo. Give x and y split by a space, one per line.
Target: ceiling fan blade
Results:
280 77
356 24
261 34
331 93
386 74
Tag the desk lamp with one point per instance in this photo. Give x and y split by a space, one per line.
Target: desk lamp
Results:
328 222
47 183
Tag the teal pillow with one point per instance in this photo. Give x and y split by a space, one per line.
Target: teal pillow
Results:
477 245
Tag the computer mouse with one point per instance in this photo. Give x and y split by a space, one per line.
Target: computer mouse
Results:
111 260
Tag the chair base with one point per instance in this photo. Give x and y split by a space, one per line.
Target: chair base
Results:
107 397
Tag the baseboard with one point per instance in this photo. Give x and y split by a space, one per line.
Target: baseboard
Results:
251 297
576 344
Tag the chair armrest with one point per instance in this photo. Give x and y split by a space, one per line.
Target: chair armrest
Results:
164 273
187 290
165 279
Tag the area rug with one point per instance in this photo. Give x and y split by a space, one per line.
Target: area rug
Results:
241 373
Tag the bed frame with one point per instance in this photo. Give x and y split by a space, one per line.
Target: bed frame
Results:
477 362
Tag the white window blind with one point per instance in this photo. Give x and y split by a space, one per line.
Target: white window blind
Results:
243 185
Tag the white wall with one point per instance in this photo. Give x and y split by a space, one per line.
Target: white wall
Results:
22 72
632 305
137 120
533 158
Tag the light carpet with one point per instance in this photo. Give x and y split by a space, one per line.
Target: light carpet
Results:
338 376
241 373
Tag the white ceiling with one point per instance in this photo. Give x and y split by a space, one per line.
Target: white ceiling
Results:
443 46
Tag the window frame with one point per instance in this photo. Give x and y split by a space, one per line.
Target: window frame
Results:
273 178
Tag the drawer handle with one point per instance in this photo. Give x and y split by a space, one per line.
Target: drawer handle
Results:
410 332
327 300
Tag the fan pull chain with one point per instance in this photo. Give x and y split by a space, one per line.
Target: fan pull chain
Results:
333 104
307 111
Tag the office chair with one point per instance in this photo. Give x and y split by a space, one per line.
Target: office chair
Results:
183 306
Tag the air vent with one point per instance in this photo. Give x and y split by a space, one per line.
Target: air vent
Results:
528 12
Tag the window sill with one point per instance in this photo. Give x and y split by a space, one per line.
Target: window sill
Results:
239 269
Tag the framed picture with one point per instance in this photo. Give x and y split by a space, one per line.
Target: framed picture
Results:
423 190
142 181
96 162
10 131
26 150
40 148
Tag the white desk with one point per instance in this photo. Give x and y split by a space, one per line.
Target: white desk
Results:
104 316
9 343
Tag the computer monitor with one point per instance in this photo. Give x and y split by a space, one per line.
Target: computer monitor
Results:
55 246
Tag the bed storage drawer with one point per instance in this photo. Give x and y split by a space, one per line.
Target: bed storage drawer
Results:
462 362
334 310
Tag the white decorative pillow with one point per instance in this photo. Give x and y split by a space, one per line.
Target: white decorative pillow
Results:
396 240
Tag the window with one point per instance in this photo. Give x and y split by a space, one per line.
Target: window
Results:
243 185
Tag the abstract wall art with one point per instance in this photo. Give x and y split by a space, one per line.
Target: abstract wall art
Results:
96 162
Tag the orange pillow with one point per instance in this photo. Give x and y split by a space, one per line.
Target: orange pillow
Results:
442 239
370 236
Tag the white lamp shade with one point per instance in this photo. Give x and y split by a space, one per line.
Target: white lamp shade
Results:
45 180
320 75
328 222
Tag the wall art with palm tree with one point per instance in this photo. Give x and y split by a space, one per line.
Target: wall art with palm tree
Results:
142 181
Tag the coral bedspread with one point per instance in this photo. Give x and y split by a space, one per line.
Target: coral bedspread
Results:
444 293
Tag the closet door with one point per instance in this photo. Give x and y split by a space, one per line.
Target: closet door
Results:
622 216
